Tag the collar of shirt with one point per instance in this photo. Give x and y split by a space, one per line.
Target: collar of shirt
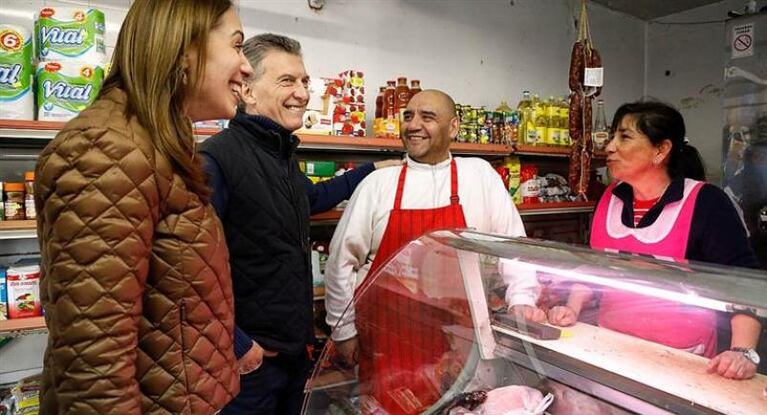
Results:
625 192
412 164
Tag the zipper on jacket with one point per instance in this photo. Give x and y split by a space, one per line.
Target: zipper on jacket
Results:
184 357
296 203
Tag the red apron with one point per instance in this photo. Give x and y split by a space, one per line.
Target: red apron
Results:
661 321
399 333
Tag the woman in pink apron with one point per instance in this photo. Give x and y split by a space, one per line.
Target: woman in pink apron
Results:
658 205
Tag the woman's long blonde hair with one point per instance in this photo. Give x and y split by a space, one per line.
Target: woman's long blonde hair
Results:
149 65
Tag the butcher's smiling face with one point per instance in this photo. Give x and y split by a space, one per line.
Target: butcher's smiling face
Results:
429 124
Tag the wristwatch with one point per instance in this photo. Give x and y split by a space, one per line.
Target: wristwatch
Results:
749 353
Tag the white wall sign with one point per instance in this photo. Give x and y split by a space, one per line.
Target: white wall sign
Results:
742 44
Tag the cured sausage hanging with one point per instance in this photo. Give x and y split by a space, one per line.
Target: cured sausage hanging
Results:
583 56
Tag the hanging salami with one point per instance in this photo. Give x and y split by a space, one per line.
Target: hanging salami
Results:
583 56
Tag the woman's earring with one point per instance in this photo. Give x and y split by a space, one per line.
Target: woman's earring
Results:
183 78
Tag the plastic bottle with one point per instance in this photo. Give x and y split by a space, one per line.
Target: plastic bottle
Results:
600 134
552 122
29 197
564 116
540 119
379 102
415 87
527 125
401 96
388 100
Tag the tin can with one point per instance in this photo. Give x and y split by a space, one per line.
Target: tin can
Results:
473 134
483 135
463 133
480 116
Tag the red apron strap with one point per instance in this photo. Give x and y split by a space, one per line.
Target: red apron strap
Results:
400 187
454 199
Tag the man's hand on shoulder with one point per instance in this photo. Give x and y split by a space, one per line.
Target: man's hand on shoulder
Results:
381 164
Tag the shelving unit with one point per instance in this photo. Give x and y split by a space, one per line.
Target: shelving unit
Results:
18 229
550 151
46 130
22 326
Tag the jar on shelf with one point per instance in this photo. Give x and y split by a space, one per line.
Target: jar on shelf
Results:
29 198
14 201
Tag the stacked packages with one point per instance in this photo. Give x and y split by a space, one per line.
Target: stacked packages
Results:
336 105
70 50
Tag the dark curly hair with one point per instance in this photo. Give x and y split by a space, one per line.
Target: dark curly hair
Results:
660 121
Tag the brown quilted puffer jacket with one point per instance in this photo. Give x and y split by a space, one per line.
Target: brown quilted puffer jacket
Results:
136 284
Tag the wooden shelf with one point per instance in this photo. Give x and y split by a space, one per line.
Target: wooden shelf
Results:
329 216
18 229
46 130
555 208
342 143
553 151
22 326
319 292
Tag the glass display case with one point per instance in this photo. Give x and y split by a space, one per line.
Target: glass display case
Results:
448 326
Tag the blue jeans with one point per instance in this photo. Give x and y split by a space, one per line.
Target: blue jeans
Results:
275 388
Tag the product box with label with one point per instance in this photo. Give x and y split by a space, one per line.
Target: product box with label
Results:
3 295
324 93
320 168
23 286
349 114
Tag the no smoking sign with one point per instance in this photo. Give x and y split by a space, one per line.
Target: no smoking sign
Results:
742 41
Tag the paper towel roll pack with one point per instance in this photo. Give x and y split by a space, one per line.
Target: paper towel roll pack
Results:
70 34
66 88
16 73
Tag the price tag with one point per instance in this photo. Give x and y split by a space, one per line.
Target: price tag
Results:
594 77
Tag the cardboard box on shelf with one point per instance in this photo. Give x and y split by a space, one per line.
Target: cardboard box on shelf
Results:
320 168
324 93
349 114
24 291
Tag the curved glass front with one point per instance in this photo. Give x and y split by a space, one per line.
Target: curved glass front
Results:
462 322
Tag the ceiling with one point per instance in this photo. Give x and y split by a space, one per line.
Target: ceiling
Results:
653 9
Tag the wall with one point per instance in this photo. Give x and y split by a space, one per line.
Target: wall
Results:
478 51
685 67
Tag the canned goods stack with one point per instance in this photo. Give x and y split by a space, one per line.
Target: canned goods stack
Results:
481 126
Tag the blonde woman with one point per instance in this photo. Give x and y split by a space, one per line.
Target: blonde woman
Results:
136 285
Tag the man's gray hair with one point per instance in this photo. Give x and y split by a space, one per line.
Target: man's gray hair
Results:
256 48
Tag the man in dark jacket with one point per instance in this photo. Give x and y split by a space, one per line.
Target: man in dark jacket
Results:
264 202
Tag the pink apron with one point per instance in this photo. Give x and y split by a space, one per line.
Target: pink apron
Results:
673 324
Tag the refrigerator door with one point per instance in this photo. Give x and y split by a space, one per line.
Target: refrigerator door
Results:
745 123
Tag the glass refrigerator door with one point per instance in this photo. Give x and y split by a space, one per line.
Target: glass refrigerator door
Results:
441 329
745 116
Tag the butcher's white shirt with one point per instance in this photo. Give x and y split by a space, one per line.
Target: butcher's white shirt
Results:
486 205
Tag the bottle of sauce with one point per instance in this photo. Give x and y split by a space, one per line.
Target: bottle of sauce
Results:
388 100
401 96
415 87
29 198
379 102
